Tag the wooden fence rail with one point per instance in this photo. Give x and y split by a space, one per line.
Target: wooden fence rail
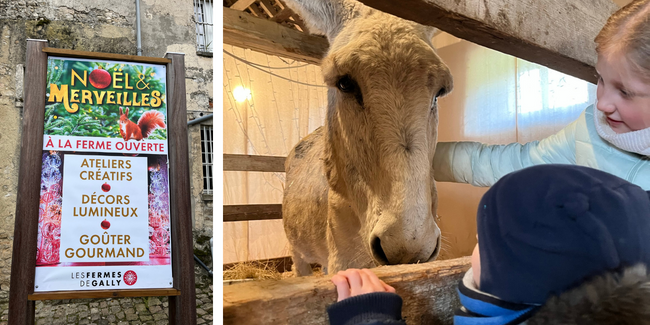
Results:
248 212
428 290
252 163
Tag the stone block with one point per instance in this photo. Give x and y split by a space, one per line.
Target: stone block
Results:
140 307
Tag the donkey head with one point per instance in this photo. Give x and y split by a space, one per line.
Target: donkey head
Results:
384 80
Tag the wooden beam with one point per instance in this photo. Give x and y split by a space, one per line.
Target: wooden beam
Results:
241 4
283 15
23 258
558 34
182 309
249 212
301 23
57 295
244 30
103 56
281 4
268 7
428 290
253 163
257 11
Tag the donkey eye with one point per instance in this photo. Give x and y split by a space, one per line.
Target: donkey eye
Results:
346 84
441 92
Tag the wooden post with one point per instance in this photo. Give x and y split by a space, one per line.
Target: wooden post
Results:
23 259
182 309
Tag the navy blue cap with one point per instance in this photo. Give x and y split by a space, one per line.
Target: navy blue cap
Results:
545 229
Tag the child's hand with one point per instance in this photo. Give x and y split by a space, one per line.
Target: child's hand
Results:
354 282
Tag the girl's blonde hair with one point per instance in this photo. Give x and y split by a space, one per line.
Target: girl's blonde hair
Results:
627 32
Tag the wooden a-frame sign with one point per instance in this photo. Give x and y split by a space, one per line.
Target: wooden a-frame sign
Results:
182 304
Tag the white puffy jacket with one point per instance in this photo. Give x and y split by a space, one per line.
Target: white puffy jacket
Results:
577 144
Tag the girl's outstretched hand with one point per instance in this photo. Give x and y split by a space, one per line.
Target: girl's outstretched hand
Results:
354 282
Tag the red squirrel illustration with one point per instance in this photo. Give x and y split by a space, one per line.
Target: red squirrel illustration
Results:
148 122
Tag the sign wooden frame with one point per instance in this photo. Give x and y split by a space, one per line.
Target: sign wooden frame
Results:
182 297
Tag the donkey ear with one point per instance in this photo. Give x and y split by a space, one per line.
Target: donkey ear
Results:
324 16
429 32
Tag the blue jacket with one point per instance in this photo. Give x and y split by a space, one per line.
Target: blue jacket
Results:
612 298
577 144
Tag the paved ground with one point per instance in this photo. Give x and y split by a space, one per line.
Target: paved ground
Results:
120 311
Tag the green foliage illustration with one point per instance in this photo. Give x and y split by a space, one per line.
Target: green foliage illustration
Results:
95 119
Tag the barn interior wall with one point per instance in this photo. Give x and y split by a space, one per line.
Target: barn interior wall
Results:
278 113
497 99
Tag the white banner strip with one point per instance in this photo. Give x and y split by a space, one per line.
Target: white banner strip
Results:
105 145
103 277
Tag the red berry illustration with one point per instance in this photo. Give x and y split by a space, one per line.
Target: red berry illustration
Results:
106 224
106 187
100 78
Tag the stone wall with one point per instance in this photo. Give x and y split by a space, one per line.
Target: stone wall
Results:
101 26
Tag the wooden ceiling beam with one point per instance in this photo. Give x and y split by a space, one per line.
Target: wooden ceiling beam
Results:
257 11
283 15
555 33
243 30
301 23
242 4
269 8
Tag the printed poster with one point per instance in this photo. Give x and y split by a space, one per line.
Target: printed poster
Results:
104 208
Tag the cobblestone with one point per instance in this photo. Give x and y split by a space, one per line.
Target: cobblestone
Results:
119 311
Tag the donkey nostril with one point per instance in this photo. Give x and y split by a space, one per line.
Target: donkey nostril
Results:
378 252
436 251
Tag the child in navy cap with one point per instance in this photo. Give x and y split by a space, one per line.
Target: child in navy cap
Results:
557 244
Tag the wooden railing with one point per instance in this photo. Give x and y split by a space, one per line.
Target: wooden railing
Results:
248 212
428 290
249 163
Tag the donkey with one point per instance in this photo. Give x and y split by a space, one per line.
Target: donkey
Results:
360 191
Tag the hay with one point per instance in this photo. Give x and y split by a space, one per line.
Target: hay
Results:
252 270
261 270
